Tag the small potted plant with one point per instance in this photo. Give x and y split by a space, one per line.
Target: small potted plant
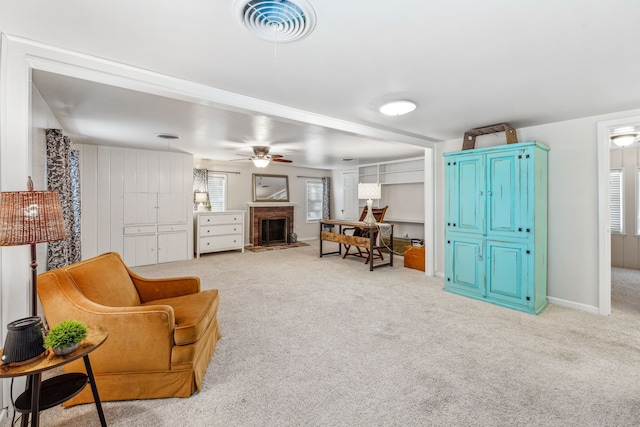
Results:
65 337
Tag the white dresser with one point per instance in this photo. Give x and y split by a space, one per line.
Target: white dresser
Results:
218 231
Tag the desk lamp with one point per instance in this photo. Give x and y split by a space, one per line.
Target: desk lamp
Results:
27 218
201 199
369 191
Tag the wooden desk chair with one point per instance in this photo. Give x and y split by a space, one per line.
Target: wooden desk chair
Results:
378 214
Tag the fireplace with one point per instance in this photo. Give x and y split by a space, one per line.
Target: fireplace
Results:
270 223
273 231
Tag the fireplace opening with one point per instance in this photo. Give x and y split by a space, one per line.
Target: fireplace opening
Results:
273 231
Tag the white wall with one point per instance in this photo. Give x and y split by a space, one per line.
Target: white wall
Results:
240 190
572 204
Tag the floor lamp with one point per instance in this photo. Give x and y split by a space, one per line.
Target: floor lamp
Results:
30 217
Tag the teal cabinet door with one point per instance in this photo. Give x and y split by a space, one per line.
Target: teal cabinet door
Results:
504 198
466 194
508 266
465 269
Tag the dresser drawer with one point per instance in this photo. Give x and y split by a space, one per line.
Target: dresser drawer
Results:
218 230
172 227
220 218
414 257
216 243
140 229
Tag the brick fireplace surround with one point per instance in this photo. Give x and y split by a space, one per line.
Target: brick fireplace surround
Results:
269 211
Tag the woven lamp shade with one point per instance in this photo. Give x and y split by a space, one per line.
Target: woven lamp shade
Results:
28 217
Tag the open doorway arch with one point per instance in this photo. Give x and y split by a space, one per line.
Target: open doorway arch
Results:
604 230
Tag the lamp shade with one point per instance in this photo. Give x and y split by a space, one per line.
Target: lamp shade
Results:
201 197
28 217
369 191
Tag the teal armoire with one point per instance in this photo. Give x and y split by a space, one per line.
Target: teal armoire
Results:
496 225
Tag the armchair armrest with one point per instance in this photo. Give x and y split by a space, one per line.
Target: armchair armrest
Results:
155 289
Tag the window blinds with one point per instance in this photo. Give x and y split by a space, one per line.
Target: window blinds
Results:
615 190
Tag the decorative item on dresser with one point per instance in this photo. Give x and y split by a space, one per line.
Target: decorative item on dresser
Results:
218 231
496 225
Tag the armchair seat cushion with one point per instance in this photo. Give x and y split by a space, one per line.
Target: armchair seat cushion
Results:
193 314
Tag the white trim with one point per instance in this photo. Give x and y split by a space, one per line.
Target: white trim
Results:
575 305
429 211
604 230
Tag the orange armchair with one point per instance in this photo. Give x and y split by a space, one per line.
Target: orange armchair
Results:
162 332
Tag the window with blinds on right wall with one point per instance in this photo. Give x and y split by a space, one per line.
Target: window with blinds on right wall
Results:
616 200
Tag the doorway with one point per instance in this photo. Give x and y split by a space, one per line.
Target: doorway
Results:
604 213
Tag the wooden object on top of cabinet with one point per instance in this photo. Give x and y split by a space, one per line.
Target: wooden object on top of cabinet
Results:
496 225
218 231
469 140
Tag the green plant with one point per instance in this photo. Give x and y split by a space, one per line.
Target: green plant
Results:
66 334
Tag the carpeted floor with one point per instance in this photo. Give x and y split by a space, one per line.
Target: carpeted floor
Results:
311 341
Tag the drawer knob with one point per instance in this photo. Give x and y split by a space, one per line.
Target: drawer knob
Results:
208 231
208 243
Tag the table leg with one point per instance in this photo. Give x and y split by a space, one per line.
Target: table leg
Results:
321 240
94 390
372 244
34 384
391 246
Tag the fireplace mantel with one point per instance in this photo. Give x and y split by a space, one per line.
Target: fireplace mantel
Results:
269 204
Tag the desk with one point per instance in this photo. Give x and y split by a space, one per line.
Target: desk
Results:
41 395
368 243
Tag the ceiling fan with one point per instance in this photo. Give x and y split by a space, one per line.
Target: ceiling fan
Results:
262 158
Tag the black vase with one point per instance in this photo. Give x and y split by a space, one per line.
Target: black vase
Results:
24 341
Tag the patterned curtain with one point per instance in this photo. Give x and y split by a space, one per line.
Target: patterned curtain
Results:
326 197
200 181
63 176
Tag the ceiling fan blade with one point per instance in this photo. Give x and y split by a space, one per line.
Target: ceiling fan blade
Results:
281 160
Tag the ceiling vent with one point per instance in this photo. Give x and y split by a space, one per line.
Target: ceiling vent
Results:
277 20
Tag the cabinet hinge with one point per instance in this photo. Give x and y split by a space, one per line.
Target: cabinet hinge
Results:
528 251
528 298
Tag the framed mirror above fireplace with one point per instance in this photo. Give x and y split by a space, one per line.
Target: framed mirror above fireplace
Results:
270 188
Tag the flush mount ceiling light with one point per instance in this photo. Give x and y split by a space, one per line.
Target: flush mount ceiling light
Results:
623 140
277 20
397 108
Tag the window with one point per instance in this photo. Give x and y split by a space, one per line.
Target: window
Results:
217 189
616 194
314 200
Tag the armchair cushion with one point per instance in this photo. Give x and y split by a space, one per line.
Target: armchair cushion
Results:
193 313
105 282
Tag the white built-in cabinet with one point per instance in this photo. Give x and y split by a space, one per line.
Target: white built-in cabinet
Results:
402 191
137 203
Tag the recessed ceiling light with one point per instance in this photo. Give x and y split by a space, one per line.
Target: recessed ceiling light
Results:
397 108
167 136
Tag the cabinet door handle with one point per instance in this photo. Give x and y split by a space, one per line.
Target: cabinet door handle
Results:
489 193
480 257
448 224
519 228
479 193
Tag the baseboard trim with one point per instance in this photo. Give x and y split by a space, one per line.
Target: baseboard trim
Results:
571 304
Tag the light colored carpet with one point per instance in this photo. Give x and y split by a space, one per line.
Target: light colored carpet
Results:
311 341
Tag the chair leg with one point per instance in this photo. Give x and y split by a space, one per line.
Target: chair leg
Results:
346 251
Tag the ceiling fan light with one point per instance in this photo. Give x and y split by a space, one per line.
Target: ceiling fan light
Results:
623 140
260 162
397 108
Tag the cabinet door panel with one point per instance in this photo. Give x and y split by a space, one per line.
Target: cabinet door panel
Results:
465 194
503 194
172 247
465 269
140 250
507 272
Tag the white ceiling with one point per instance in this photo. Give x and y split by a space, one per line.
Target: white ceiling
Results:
465 63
